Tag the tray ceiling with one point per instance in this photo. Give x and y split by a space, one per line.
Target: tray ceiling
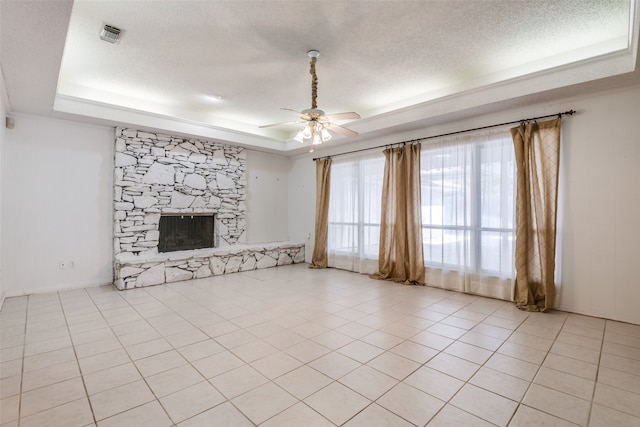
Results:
220 69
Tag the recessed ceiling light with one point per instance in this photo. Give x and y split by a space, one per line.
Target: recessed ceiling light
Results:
110 34
215 97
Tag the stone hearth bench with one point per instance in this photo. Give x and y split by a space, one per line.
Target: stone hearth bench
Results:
156 269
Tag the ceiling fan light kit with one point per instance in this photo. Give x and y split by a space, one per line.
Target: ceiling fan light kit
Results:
318 124
314 131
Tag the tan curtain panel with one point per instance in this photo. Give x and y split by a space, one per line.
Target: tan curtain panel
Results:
537 151
401 253
323 184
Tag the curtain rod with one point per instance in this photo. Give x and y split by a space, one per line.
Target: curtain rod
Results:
566 113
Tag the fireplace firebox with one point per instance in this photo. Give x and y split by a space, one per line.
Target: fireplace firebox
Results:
181 232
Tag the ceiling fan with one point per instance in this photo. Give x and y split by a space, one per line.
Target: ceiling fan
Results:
317 123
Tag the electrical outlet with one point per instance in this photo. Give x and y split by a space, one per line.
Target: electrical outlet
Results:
308 236
72 264
62 265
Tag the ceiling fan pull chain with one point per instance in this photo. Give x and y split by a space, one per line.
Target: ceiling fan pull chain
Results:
314 83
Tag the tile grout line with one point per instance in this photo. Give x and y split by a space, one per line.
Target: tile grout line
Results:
77 360
537 371
186 295
595 381
157 399
448 402
24 349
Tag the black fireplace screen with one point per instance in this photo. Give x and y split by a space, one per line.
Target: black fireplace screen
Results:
185 232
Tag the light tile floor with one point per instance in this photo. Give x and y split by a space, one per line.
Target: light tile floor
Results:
290 346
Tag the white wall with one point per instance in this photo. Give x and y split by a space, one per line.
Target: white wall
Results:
4 106
57 193
57 199
599 222
600 232
266 197
302 202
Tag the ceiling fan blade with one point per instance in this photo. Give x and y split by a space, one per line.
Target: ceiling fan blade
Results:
343 116
297 113
279 124
342 130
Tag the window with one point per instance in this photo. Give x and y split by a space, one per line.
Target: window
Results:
468 191
468 199
354 213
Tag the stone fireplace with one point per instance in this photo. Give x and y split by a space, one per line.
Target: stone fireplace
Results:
159 176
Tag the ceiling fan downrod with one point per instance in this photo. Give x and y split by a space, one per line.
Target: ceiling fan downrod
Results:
313 54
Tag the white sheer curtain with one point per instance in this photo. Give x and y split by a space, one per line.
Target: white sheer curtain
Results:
354 213
468 192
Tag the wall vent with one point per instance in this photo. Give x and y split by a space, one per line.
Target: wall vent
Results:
110 34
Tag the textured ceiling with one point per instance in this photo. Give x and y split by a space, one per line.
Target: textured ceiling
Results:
393 62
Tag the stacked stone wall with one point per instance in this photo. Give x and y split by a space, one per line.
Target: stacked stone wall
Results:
156 174
186 265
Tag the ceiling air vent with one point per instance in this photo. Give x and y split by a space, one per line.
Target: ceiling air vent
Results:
110 34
